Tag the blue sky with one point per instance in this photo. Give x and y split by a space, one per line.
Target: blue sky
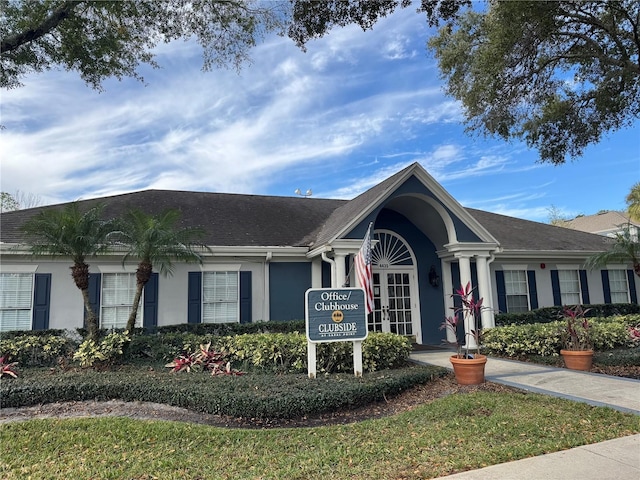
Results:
354 109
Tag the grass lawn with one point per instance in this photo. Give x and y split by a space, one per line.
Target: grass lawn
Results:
454 433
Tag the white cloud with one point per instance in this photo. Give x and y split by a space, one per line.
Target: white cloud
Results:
361 104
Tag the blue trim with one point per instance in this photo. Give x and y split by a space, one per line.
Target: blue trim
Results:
533 289
584 286
150 308
326 275
288 282
632 286
95 282
194 298
555 287
245 297
502 291
606 287
41 301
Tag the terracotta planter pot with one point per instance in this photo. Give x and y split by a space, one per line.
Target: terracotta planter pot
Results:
577 359
469 371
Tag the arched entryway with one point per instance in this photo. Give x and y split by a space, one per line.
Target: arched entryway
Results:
395 279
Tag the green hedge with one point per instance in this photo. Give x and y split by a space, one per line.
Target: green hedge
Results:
545 338
33 333
552 314
252 396
216 329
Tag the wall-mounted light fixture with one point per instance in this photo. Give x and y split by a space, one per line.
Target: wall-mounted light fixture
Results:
434 278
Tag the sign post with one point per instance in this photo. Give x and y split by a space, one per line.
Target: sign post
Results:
335 315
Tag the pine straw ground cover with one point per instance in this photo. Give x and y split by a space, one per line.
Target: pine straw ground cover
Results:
428 431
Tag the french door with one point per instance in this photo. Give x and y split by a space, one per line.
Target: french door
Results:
395 289
392 302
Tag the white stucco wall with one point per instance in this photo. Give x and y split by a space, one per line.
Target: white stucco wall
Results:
543 279
67 306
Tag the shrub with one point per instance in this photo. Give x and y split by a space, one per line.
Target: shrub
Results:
33 333
227 329
250 396
107 351
36 350
288 352
545 338
284 352
551 314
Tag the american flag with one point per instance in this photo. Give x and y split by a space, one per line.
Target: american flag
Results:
363 269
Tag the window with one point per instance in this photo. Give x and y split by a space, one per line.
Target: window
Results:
16 294
515 282
220 299
618 286
118 290
569 287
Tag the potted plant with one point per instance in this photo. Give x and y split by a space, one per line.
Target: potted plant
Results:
576 337
468 366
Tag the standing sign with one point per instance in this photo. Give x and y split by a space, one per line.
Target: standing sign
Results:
336 315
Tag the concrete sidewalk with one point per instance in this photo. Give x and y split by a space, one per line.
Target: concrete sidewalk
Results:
617 459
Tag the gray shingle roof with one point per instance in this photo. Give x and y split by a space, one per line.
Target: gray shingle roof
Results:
255 220
228 219
349 210
517 234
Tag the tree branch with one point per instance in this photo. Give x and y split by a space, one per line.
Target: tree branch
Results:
48 24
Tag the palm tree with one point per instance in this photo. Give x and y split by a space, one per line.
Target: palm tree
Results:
633 202
70 232
626 248
155 240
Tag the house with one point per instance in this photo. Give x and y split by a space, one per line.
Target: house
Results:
267 251
607 222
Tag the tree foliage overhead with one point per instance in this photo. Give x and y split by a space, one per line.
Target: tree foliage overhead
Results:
558 75
314 19
102 39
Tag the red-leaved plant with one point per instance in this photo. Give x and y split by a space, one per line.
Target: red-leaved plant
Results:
182 363
470 309
634 333
206 359
576 335
7 368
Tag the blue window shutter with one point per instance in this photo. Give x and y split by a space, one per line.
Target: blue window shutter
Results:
194 296
555 287
41 301
632 286
95 279
606 288
150 309
245 297
502 291
584 286
533 289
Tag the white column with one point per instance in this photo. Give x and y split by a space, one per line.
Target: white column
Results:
465 277
484 290
341 272
316 273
